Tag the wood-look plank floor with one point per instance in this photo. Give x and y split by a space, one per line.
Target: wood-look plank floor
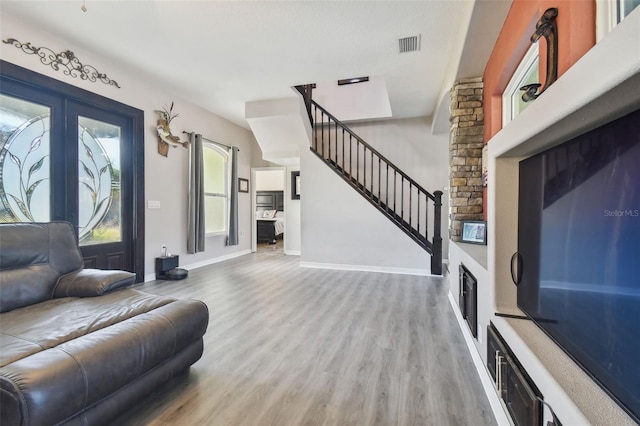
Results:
295 346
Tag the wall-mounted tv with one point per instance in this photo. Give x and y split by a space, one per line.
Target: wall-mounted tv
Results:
579 246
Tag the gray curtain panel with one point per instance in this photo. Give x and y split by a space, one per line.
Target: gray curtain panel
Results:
196 218
232 240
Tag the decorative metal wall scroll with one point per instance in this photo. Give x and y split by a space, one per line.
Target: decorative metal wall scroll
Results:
65 61
547 28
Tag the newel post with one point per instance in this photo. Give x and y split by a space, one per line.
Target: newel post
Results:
436 256
307 100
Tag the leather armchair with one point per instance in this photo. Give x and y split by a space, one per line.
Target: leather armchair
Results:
76 345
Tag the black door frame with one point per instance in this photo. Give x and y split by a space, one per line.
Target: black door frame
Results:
30 79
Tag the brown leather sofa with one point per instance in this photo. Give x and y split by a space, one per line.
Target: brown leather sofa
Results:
76 345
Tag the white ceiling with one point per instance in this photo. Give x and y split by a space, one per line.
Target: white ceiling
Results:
222 54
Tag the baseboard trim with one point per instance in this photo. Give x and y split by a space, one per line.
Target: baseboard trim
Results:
152 277
487 384
292 252
366 268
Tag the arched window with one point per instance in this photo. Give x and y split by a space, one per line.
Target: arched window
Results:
216 188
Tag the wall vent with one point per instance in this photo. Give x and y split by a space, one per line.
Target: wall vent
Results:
409 44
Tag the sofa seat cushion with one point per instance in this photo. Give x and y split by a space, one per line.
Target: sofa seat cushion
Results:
48 324
98 346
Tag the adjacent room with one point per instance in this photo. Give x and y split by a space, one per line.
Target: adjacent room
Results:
319 213
270 213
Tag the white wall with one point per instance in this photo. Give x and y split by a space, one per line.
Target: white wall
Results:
269 180
165 178
409 144
362 101
279 124
341 229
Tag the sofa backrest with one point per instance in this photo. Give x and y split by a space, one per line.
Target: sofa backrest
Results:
32 258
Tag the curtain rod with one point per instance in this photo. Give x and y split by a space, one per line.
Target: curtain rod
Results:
209 140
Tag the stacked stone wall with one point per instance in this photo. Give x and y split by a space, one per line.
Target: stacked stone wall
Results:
465 154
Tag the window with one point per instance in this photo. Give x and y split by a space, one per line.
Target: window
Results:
526 73
610 13
216 188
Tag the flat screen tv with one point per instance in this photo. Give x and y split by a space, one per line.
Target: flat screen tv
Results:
579 246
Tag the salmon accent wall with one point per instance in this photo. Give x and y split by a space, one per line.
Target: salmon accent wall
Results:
576 23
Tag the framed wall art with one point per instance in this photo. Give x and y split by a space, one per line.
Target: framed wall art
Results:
295 185
474 231
243 185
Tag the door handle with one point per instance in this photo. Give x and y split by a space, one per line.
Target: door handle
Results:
516 268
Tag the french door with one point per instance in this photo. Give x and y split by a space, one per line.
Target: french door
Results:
67 154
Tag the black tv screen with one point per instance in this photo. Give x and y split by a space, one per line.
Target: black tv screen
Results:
579 242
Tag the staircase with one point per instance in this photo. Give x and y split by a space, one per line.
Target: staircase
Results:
379 181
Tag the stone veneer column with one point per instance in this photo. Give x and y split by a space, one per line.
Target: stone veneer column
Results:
465 154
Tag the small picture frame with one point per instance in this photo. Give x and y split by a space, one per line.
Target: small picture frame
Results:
243 185
474 232
295 185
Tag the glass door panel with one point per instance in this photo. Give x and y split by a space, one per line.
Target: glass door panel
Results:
25 160
99 196
99 185
68 154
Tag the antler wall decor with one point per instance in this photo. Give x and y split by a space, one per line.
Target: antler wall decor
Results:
165 138
547 28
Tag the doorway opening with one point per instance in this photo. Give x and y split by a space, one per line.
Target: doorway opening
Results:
269 207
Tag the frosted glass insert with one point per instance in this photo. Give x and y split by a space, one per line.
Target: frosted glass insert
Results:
25 177
99 201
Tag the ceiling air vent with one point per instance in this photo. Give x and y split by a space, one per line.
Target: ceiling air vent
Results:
409 44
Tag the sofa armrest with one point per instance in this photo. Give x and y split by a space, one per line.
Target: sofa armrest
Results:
92 282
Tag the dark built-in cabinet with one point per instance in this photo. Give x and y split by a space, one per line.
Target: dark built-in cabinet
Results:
517 390
468 299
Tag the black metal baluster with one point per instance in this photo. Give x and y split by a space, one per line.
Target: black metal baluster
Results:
410 203
418 213
350 157
402 197
364 168
329 138
336 144
426 216
395 191
371 167
314 129
379 170
343 169
386 203
322 137
357 161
